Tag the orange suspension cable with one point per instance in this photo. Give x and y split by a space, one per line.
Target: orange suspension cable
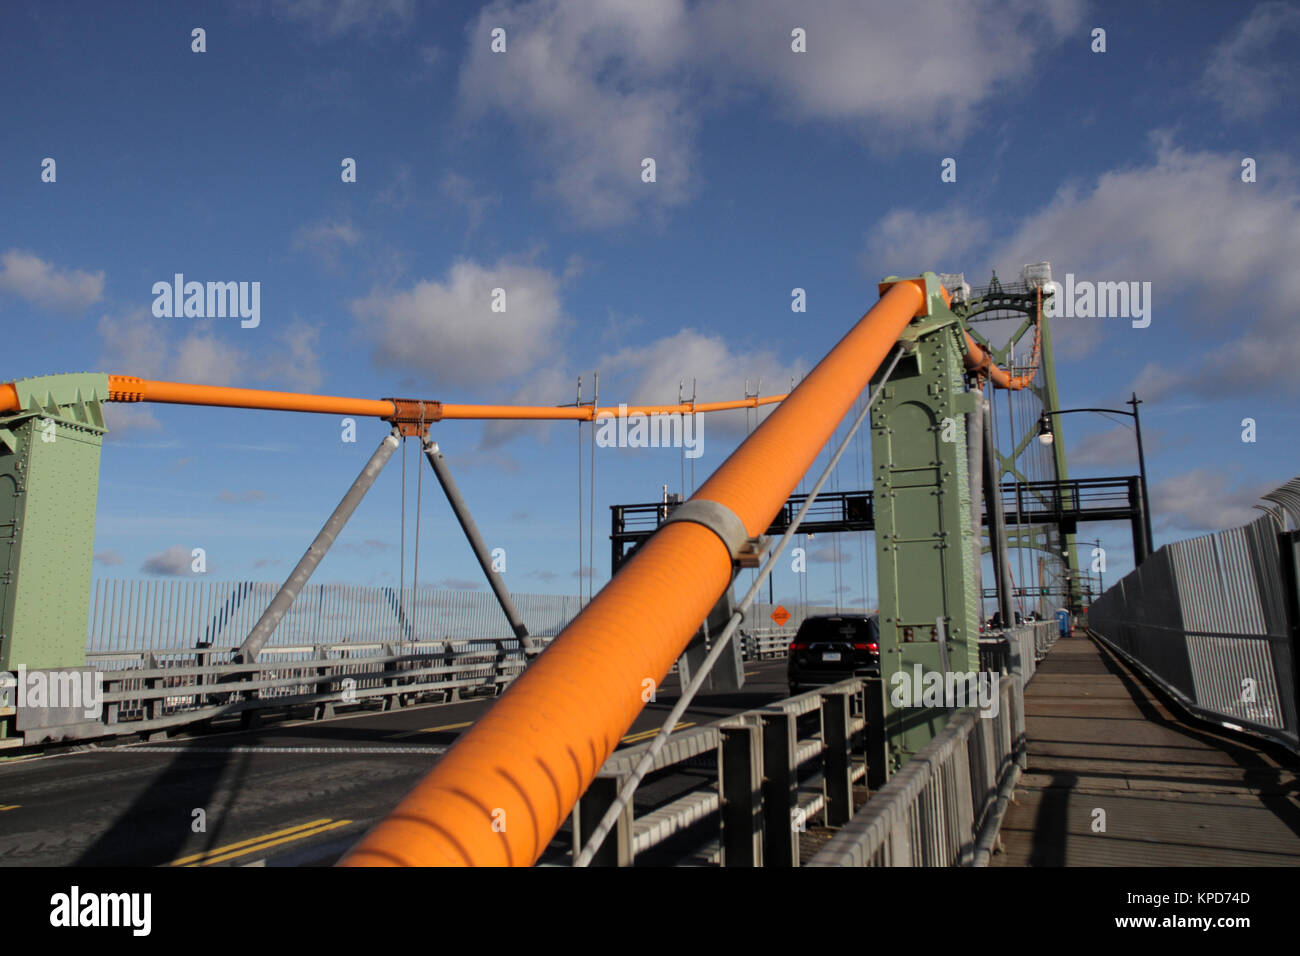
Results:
504 788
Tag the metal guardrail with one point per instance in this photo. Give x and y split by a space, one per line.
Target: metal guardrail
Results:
766 643
769 783
169 687
944 807
165 651
1022 646
1206 620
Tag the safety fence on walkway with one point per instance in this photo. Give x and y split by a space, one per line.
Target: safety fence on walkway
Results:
1207 619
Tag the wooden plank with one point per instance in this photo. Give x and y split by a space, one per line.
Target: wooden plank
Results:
1172 794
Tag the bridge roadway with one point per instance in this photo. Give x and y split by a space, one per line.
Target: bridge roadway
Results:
1173 792
291 794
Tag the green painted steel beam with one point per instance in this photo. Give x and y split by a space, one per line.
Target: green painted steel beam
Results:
49 483
924 537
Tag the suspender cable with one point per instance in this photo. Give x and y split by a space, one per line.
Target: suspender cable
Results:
415 575
578 402
401 579
581 592
528 759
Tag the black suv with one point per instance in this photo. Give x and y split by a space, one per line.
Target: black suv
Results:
832 647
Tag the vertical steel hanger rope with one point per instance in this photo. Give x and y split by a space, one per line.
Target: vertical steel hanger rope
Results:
401 579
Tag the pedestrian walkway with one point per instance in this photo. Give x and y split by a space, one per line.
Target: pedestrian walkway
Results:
1117 778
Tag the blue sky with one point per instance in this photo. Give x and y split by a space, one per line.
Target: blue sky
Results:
522 170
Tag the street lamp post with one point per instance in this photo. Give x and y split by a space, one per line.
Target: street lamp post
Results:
1142 471
1046 437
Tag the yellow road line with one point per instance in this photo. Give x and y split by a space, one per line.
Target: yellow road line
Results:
13 806
257 839
647 734
434 730
266 846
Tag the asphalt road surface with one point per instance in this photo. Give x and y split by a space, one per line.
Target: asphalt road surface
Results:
288 794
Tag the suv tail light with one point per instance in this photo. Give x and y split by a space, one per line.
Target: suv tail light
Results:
798 647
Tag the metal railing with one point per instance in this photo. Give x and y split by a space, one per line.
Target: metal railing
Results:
769 772
1020 647
1206 620
768 782
944 807
174 615
165 649
157 690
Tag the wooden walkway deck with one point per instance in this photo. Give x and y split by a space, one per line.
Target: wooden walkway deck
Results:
1173 794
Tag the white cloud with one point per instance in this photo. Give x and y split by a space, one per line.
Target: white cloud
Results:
1205 500
174 562
652 372
921 66
1185 221
208 360
1187 224
545 386
446 333
1115 446
1255 68
458 584
134 343
47 286
298 364
598 86
908 242
649 374
137 343
126 420
326 240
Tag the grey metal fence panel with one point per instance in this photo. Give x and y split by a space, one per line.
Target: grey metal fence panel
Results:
1206 618
151 615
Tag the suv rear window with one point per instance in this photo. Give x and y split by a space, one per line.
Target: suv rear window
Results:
846 629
